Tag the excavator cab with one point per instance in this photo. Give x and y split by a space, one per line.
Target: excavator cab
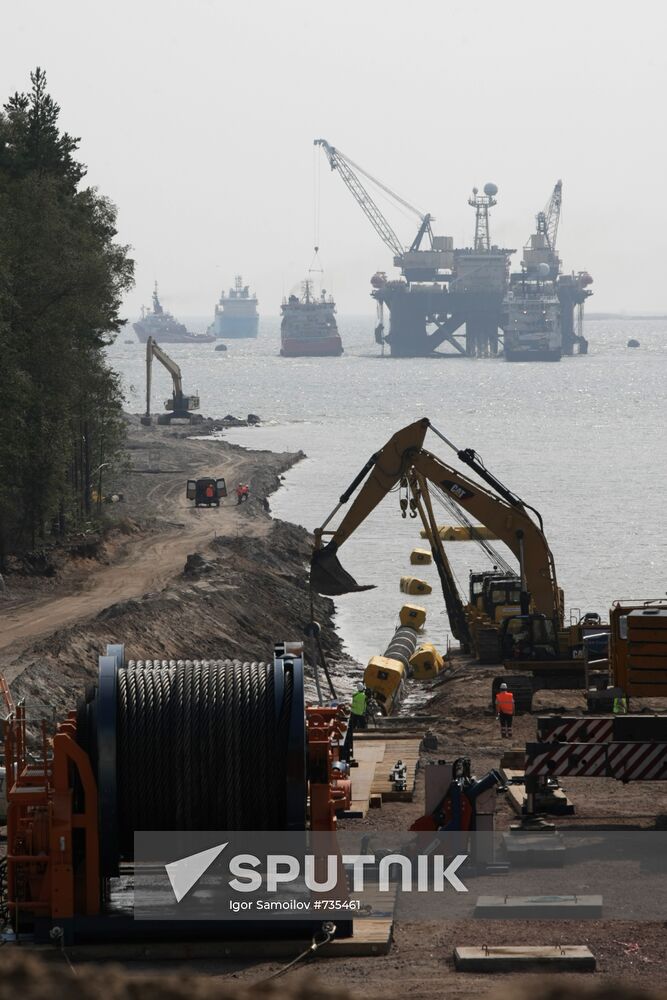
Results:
501 597
477 582
528 637
206 492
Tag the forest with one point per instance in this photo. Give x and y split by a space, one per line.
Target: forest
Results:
63 275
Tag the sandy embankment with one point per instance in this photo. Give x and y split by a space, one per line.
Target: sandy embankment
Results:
251 591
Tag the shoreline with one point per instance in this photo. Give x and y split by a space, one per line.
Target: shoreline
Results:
249 590
246 590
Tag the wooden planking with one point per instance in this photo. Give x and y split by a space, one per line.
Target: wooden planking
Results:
556 803
370 936
568 957
375 758
407 750
368 754
516 794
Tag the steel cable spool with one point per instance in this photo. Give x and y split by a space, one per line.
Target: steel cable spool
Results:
195 745
402 645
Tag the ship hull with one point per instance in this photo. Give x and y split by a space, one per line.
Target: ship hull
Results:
166 338
235 327
537 354
324 347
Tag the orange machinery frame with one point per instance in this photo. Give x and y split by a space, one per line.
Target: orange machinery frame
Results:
43 876
49 874
638 655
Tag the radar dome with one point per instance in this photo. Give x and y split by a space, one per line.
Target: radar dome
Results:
543 270
490 189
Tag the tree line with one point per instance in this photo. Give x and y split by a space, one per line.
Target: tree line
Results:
62 278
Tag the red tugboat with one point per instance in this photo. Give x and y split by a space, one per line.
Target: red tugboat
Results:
308 328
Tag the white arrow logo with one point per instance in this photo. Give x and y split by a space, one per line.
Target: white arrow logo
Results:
186 872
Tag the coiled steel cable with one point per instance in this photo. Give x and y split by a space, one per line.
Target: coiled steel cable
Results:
201 745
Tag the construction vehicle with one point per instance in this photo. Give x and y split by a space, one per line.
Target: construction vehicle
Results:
534 593
179 405
206 492
627 747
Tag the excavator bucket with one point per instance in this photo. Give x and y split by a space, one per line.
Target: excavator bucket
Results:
327 576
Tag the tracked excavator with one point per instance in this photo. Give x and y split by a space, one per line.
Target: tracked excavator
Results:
179 405
518 619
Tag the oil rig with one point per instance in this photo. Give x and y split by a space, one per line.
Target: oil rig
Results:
455 296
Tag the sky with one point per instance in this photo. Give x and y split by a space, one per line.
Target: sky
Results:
197 119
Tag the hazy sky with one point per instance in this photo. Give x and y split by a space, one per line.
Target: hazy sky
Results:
197 118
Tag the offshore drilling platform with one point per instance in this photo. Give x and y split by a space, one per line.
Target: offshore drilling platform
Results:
460 298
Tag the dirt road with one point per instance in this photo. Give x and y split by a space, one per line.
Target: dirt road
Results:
151 563
154 495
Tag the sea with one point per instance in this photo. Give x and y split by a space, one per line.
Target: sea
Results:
583 441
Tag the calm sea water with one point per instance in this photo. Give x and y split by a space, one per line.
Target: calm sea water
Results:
583 441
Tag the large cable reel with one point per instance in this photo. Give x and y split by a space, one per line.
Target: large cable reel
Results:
194 745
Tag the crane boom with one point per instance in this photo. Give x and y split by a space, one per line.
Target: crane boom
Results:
404 457
338 162
348 171
549 217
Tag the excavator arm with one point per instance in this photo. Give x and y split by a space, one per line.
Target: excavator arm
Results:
404 457
153 349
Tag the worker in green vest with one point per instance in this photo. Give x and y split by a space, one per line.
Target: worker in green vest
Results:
359 703
620 705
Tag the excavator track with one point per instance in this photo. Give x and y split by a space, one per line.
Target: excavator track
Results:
487 645
521 688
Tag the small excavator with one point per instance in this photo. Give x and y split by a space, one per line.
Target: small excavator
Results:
530 629
179 405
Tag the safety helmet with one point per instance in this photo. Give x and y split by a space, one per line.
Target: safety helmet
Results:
360 686
503 686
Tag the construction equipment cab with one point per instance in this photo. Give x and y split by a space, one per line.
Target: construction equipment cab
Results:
529 637
501 597
206 492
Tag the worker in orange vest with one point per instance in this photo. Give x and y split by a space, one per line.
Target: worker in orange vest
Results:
505 710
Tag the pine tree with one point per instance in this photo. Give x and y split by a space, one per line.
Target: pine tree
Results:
62 278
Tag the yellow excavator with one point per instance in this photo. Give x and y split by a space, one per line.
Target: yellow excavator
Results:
179 405
518 619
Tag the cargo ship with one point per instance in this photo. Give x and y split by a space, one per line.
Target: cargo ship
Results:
533 320
162 327
236 314
308 328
